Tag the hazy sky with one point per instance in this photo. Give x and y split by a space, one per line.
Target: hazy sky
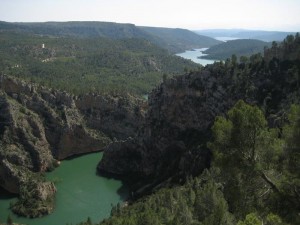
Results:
191 14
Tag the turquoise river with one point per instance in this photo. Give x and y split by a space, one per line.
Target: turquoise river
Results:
81 193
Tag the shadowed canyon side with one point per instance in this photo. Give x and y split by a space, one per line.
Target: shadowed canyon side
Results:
182 110
39 126
158 145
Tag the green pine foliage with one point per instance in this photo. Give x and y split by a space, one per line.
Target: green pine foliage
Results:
254 173
254 219
240 47
253 180
199 201
30 202
258 168
172 39
243 148
289 182
88 65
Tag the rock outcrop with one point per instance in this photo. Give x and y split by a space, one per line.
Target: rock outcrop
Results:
181 111
117 117
24 147
36 199
172 144
39 126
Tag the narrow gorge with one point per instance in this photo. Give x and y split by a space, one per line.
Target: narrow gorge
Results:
39 127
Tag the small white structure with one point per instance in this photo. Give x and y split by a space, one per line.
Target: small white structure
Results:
43 45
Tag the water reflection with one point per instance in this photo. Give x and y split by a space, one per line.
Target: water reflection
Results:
195 55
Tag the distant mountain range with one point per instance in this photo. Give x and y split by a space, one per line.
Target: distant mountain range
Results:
246 34
174 40
239 47
182 39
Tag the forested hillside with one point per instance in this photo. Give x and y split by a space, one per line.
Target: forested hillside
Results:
240 47
216 145
180 40
174 40
241 122
77 29
81 65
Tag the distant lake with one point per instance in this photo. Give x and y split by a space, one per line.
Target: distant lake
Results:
226 38
194 54
81 193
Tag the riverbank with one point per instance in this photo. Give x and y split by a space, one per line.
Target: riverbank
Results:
81 193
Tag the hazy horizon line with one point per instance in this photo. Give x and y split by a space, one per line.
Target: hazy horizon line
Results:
174 27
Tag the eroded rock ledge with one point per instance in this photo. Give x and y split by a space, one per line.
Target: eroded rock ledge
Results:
39 126
181 111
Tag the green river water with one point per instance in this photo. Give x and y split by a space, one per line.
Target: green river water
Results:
81 193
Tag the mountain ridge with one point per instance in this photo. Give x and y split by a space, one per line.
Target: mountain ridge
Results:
177 36
262 35
114 31
239 47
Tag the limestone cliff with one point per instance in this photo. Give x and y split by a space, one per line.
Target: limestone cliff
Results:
117 117
39 126
172 144
180 113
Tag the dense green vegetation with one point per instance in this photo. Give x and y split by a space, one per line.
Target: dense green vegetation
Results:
84 65
199 201
254 163
240 47
254 177
174 40
179 40
78 29
30 204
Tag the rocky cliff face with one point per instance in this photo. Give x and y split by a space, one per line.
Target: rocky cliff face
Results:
181 111
37 198
24 147
39 126
117 117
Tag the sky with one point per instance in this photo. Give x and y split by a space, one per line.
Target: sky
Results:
283 15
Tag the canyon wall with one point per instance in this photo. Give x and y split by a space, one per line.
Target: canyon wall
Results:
39 126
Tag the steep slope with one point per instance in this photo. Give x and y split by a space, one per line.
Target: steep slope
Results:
179 40
181 111
39 126
240 47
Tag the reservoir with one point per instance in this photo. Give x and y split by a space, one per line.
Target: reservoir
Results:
194 54
225 39
81 193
